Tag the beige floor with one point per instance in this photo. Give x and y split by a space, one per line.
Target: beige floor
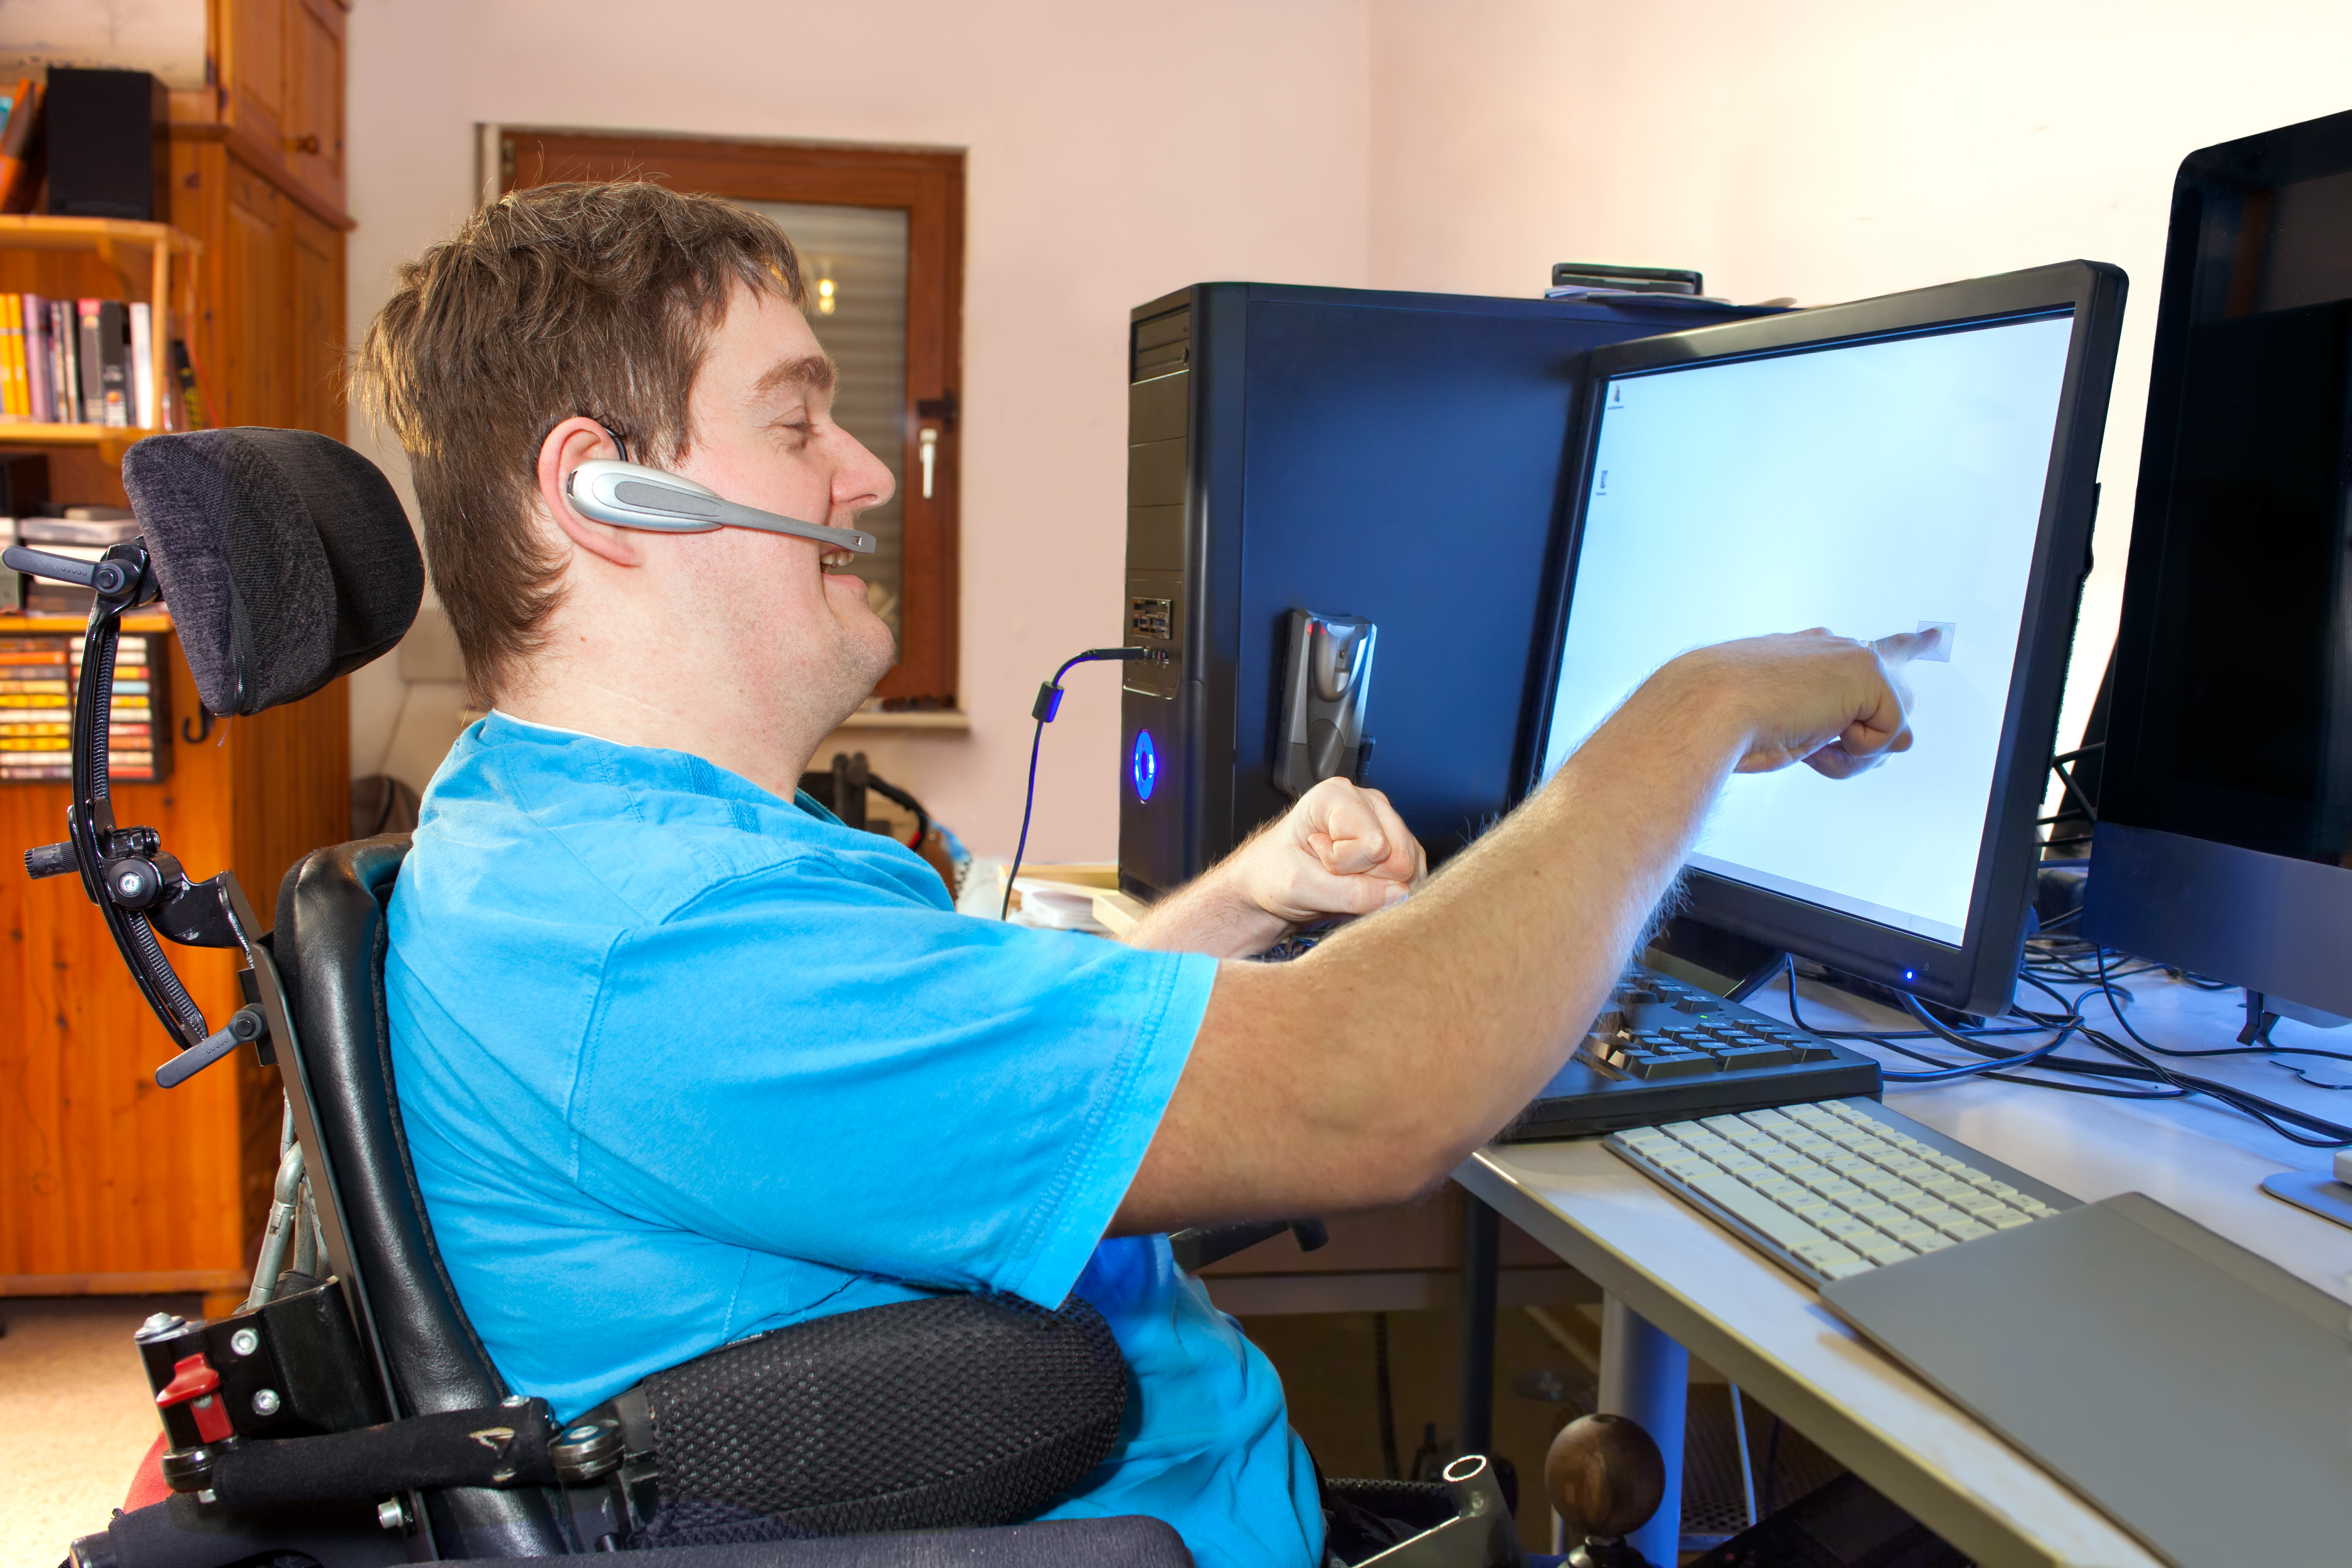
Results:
75 1416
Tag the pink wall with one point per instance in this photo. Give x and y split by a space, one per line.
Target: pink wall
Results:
1116 152
1829 149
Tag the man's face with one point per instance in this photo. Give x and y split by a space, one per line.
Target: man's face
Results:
762 433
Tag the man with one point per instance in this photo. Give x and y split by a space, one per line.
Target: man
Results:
682 1059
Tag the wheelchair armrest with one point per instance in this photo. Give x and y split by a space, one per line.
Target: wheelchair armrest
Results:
1196 1248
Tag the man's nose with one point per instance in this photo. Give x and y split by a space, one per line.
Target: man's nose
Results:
862 480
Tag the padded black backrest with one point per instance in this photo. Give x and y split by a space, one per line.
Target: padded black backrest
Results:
330 945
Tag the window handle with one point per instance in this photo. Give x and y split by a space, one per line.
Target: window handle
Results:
927 441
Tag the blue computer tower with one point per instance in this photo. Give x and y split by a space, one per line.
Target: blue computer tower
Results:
1401 457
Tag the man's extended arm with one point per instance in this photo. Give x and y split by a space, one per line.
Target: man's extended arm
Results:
1363 1072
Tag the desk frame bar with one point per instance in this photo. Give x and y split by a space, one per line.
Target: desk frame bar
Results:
1645 1377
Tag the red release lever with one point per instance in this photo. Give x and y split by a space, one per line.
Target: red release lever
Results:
195 1385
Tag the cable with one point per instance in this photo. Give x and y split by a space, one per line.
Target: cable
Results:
1048 704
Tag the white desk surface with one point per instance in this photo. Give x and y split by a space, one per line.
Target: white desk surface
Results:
1768 1331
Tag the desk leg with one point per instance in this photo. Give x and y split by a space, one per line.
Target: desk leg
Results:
1481 1260
1646 1376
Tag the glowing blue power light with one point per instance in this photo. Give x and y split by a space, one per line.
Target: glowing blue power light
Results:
1910 975
1144 766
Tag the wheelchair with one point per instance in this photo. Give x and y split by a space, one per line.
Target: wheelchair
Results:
346 1414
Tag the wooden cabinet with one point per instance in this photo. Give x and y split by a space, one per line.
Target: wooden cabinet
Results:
280 65
107 1183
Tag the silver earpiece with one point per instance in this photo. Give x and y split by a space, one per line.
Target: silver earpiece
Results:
630 495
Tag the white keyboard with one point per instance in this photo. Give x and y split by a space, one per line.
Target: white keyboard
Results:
1834 1189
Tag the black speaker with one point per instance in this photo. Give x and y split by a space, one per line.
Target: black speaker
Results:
109 155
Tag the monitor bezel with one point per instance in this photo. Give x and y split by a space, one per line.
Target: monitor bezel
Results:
1979 976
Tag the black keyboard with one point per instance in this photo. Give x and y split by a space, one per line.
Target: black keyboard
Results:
1665 1051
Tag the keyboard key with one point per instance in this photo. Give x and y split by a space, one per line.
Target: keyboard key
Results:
1809 1143
1965 1230
1942 1216
1748 1168
1878 1214
2033 1207
1909 1230
1772 1121
1813 1210
2005 1218
1683 1167
1880 1251
1830 1258
1813 1116
1842 1226
1886 1184
1951 1189
1751 1208
1780 1190
1648 1140
1757 1055
1976 1205
1651 1069
1934 1241
1844 1193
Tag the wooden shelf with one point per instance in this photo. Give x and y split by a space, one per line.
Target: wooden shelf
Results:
111 440
937 720
13 626
34 232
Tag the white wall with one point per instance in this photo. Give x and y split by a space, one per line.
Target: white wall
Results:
1829 149
1116 152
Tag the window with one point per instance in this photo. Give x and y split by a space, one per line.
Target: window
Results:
880 233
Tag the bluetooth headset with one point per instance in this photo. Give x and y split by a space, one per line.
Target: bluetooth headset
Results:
630 495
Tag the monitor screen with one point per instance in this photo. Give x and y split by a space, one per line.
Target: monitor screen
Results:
1872 485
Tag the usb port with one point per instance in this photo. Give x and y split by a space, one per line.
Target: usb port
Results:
1150 617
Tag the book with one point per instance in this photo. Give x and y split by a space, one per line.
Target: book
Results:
92 391
114 364
17 176
72 535
66 345
195 411
14 406
38 358
143 368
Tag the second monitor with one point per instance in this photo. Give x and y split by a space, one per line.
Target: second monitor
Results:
1922 458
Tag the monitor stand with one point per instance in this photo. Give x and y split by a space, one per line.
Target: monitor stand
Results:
2315 1191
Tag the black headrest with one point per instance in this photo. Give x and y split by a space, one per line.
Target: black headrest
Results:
285 557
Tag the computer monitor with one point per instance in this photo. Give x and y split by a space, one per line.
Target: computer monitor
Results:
1873 467
2225 809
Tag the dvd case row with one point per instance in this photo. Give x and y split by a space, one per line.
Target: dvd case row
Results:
39 679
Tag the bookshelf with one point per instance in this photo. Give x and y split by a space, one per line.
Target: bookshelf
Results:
108 247
108 1185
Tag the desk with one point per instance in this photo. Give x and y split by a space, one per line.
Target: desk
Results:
1768 1332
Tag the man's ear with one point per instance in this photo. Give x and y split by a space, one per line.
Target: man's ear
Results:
578 440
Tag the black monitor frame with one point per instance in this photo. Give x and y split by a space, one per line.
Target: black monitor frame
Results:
2219 881
1978 976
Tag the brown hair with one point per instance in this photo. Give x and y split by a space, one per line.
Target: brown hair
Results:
596 300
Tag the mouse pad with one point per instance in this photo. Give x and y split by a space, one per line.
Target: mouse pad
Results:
2198 1394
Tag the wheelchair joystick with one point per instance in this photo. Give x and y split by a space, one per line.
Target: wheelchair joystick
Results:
1606 1479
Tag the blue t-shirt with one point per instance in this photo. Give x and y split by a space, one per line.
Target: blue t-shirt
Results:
681 1062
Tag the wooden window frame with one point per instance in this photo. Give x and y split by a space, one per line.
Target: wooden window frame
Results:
928 186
